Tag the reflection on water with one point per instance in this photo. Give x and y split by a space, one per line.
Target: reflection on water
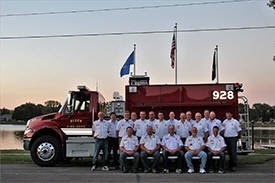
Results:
12 136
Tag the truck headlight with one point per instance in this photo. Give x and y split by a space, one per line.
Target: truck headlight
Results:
28 130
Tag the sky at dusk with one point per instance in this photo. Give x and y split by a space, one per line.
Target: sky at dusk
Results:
37 70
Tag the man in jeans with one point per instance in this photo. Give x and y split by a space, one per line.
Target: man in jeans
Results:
100 133
194 146
129 147
113 140
232 132
150 145
216 146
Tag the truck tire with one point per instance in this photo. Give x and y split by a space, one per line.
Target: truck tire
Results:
45 150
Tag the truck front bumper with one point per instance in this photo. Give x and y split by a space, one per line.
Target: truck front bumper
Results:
26 144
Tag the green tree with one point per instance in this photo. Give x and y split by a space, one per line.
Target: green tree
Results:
4 111
52 106
27 111
264 111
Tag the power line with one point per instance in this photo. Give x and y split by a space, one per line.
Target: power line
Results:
124 8
137 32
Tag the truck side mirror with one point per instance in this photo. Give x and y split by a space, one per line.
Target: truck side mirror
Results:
70 106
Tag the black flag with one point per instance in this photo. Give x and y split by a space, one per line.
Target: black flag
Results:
214 64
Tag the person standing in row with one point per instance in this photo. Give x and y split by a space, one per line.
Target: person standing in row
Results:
133 118
206 116
232 132
101 130
214 122
140 125
183 128
150 144
161 126
189 118
202 130
123 125
113 142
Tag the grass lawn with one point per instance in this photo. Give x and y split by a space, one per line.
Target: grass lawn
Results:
21 156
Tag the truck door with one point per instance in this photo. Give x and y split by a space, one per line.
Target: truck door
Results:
78 115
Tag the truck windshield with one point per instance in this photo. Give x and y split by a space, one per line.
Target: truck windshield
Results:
64 104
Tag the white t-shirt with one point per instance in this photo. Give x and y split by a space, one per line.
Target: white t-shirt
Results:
183 129
129 143
231 127
112 132
122 126
194 143
201 127
101 129
140 127
150 142
213 123
215 143
171 142
161 128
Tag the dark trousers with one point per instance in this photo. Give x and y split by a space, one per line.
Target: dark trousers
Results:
113 145
101 144
179 154
145 161
231 143
125 163
212 161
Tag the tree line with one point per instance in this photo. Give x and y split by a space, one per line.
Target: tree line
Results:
257 112
29 110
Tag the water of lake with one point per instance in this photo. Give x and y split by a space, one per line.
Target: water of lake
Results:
12 136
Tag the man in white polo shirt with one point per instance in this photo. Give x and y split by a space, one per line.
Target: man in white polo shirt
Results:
194 146
213 121
202 130
123 124
141 125
161 126
232 132
183 128
150 144
113 142
101 129
172 146
216 147
129 147
206 115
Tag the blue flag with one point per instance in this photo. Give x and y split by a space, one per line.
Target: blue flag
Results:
126 67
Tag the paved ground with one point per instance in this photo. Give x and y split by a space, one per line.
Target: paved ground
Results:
29 173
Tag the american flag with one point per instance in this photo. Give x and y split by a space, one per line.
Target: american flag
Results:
172 54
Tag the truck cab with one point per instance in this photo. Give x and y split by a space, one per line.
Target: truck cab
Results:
53 136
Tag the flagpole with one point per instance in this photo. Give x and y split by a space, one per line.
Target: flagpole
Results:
176 59
217 58
134 59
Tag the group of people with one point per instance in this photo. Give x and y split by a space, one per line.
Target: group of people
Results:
181 139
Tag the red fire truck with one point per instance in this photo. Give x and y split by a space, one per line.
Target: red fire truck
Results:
67 133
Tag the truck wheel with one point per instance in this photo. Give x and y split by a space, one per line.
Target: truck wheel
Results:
45 150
